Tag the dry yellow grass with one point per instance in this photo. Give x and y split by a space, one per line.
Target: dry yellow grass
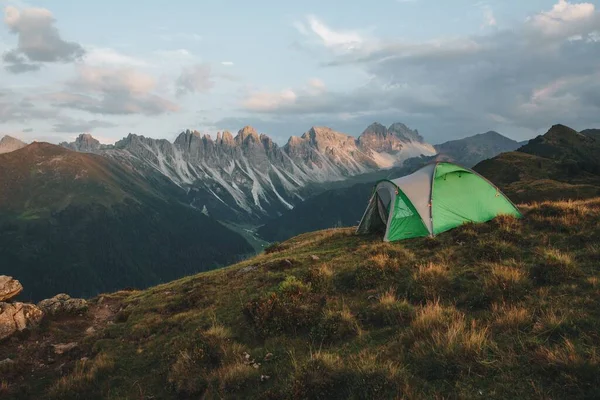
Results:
388 297
84 374
510 317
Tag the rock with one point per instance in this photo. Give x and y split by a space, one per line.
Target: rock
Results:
62 348
264 378
314 257
62 304
268 357
9 287
16 317
90 331
247 269
279 265
7 362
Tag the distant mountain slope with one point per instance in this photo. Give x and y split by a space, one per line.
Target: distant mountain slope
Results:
563 163
471 150
248 177
9 143
83 224
333 208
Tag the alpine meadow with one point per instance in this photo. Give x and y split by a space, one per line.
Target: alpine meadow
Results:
274 200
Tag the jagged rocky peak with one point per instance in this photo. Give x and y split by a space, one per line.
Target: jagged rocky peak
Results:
322 138
9 143
87 143
245 133
404 132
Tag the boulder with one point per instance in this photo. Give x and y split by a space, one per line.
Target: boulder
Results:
62 304
9 287
16 317
62 348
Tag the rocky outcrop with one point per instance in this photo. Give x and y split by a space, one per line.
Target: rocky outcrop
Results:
85 143
16 317
9 143
9 287
62 304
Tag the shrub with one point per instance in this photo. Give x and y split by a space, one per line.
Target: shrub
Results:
321 377
237 377
327 376
554 267
320 278
85 374
375 271
275 247
293 308
197 355
510 317
573 367
489 249
389 311
336 325
507 280
442 344
431 281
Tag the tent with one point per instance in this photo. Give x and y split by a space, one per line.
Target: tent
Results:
436 198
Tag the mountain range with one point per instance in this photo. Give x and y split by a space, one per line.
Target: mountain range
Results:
248 177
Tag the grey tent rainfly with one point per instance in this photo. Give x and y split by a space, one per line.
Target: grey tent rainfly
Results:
434 199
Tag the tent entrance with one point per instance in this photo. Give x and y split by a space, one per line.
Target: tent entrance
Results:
404 221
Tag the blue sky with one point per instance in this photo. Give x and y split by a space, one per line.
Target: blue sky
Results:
449 69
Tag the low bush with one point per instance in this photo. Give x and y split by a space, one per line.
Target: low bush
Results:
336 326
554 267
293 308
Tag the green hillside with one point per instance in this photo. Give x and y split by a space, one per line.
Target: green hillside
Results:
562 164
505 309
83 224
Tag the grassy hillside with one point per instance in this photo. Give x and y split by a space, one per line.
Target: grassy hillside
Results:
83 224
561 164
505 309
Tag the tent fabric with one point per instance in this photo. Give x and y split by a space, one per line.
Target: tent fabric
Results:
434 199
417 187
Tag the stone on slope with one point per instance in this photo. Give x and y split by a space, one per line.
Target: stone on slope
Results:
62 304
9 287
16 317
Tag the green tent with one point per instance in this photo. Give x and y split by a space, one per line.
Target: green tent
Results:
436 198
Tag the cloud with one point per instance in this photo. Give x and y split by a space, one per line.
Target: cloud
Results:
330 38
18 108
488 17
227 63
563 16
111 57
38 40
194 79
105 90
498 79
71 125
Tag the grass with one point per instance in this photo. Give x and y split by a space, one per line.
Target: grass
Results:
505 309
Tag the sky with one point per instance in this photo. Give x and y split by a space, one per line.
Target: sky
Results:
156 68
